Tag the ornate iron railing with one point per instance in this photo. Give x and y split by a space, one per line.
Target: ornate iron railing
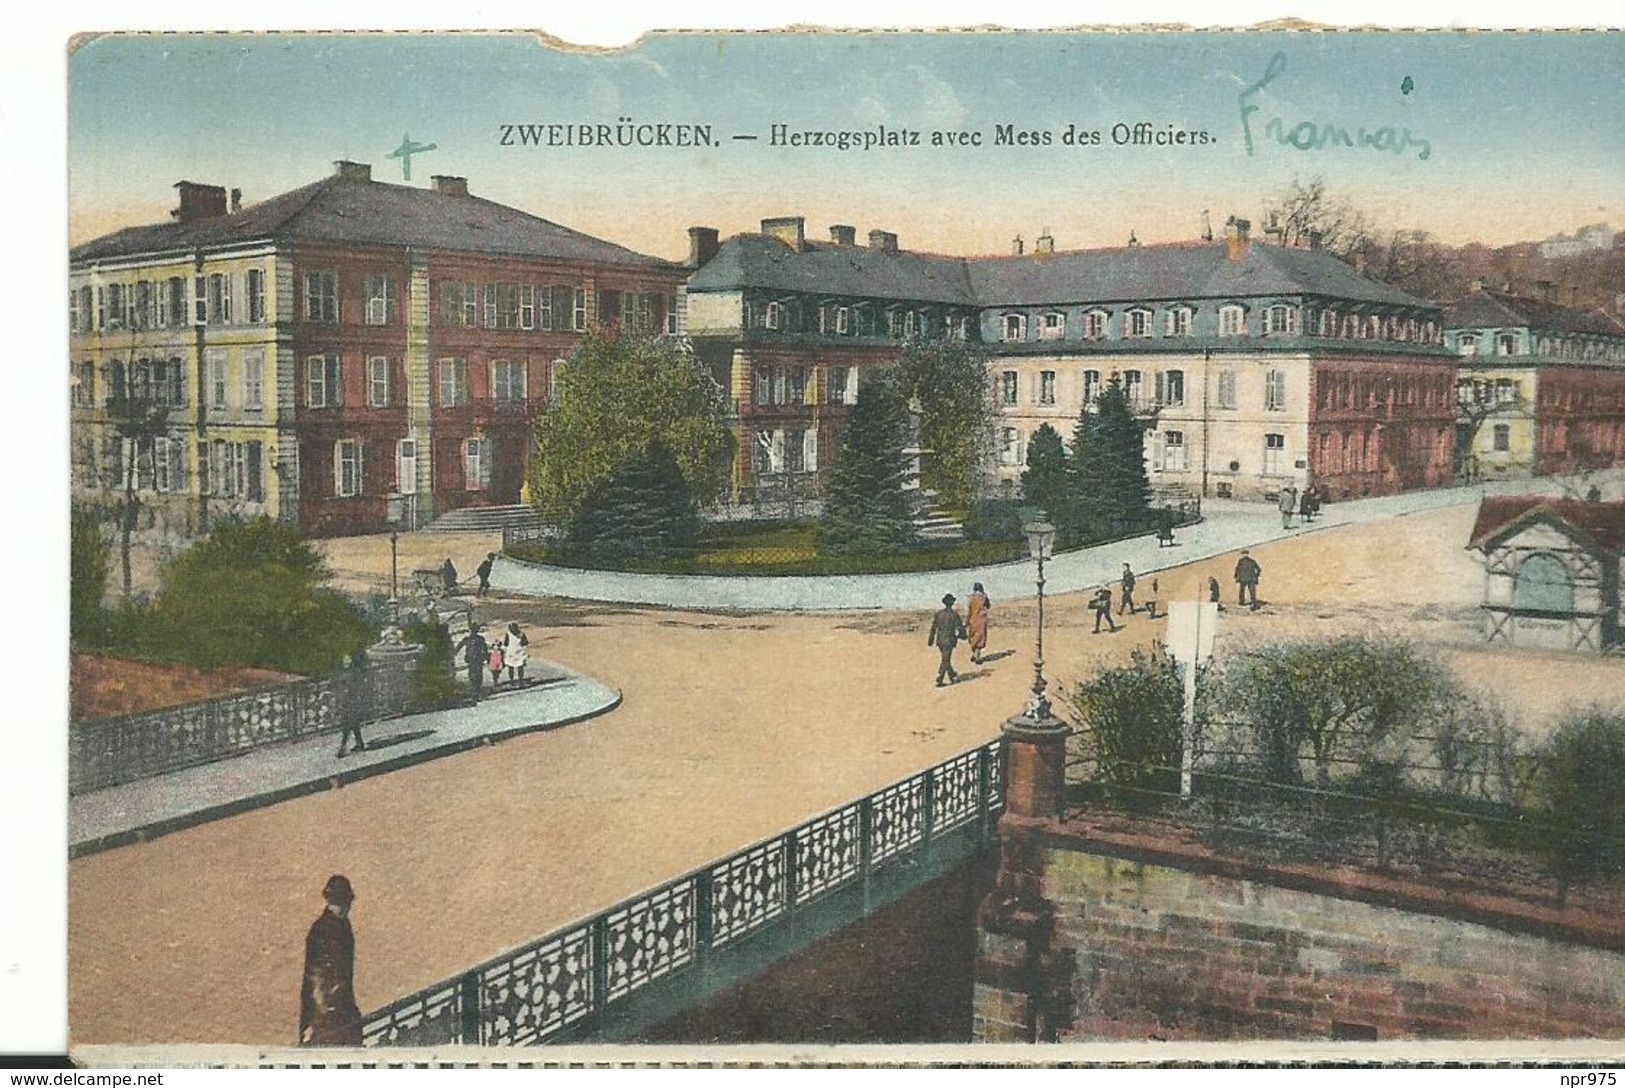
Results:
109 751
532 994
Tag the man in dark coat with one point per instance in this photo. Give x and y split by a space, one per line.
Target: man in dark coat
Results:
1247 575
484 571
1127 603
448 575
946 631
1101 605
477 658
328 1015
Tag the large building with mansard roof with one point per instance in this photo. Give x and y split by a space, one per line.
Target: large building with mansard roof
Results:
1255 366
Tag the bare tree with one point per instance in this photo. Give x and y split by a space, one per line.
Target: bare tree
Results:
1305 210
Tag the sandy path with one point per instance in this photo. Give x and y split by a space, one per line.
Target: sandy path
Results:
733 728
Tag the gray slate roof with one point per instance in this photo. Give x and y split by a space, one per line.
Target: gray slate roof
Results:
1496 310
370 213
758 260
1186 271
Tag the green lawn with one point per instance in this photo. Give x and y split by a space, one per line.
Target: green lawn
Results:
791 549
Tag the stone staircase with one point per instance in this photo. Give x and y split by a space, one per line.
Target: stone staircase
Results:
931 523
486 519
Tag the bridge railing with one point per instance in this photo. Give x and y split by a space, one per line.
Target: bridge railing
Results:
561 981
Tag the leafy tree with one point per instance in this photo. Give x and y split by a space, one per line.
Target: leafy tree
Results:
1353 701
644 511
89 555
866 511
616 396
1581 793
1045 482
957 413
1110 492
249 595
1130 721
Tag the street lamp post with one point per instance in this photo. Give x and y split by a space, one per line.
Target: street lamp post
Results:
394 579
1035 740
1040 541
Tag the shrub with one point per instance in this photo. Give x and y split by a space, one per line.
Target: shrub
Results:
249 595
994 520
1130 722
89 553
1580 793
435 682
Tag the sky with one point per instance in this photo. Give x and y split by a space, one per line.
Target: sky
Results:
1494 145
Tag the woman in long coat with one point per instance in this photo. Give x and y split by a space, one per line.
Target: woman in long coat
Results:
977 621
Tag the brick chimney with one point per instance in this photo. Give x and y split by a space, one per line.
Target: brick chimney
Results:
1044 243
883 240
199 201
451 186
1017 246
789 229
236 201
843 235
1238 237
345 170
702 245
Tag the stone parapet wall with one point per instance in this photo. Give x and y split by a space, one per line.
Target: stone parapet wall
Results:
1152 951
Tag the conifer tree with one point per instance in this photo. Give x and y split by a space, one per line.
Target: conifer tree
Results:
866 511
1110 488
644 511
1044 481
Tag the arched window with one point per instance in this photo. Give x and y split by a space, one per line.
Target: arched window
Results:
1544 584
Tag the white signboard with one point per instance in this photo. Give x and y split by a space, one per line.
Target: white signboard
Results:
1191 625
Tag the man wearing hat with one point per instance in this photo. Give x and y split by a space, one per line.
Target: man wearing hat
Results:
946 631
328 1015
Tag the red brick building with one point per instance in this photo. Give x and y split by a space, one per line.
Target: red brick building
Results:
389 352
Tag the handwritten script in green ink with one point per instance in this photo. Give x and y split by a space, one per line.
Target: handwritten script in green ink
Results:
1317 135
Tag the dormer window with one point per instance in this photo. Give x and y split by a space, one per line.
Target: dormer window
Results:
911 323
1054 326
1373 328
1139 323
1178 321
775 315
1328 323
1280 320
1467 343
843 320
1506 343
1232 320
1094 325
1015 326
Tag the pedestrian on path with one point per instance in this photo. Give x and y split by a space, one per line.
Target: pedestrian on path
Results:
1247 574
977 621
1127 603
476 656
1151 602
946 631
1213 590
352 726
1102 605
495 661
1288 505
448 575
328 1015
516 652
484 572
1308 504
